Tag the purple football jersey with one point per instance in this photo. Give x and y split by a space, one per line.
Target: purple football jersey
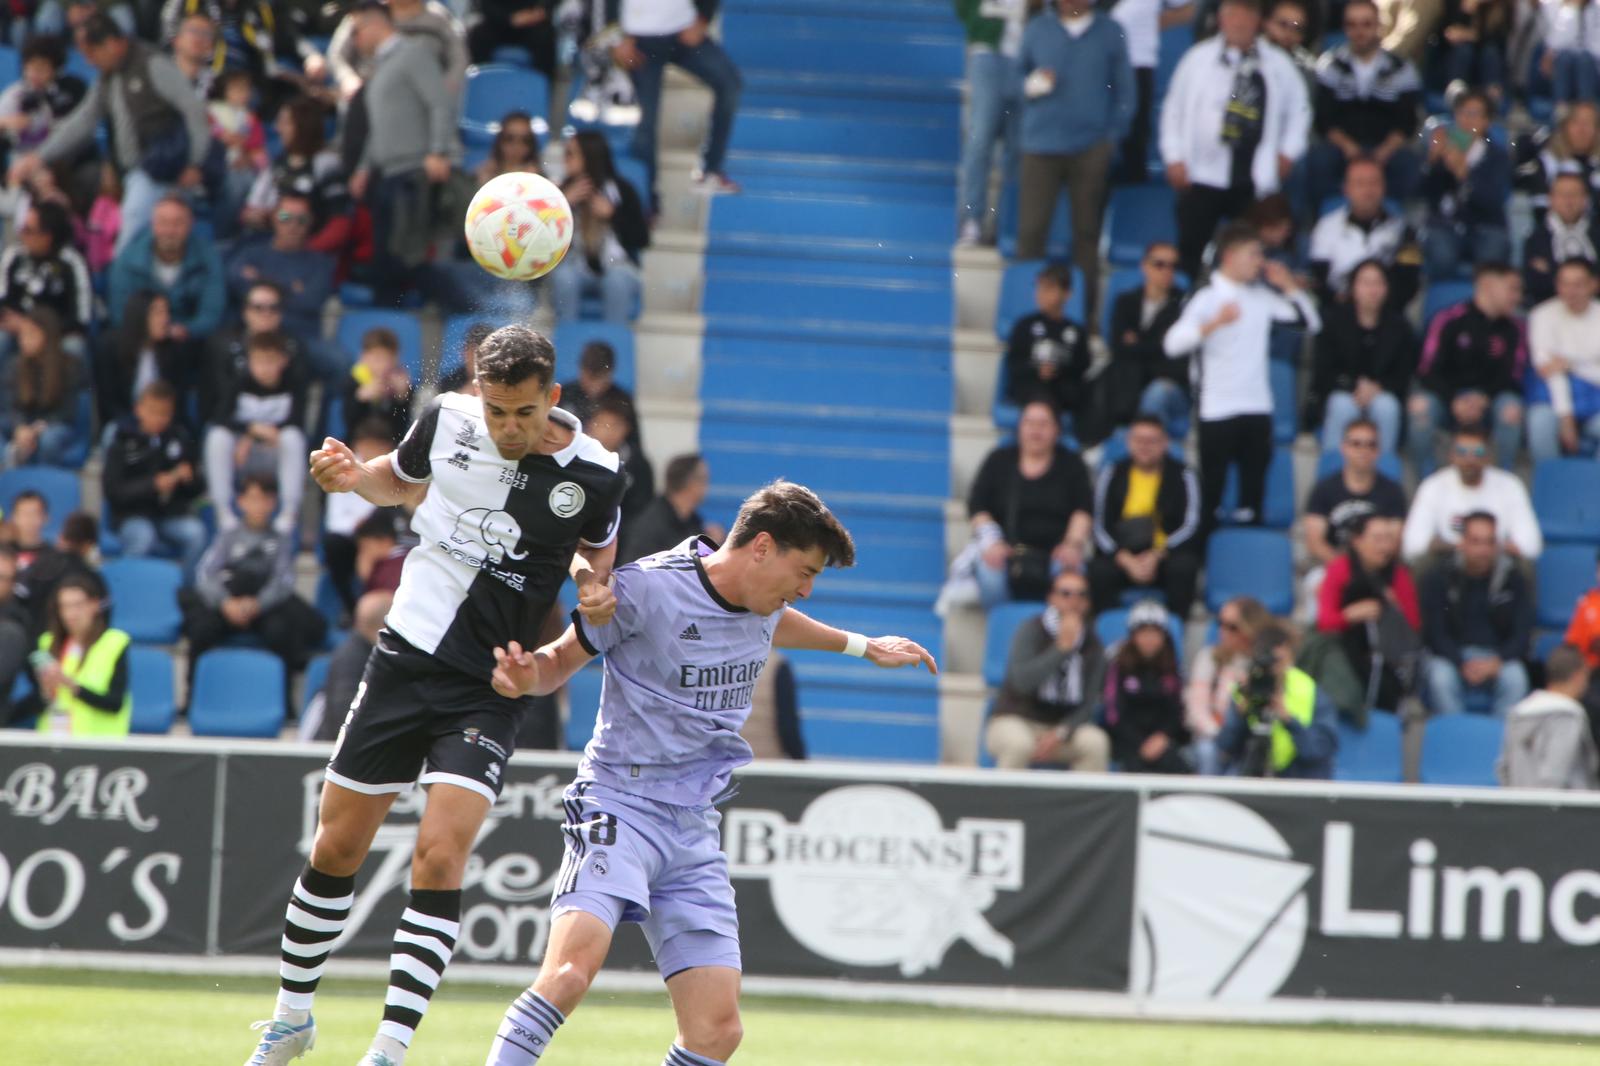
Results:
681 664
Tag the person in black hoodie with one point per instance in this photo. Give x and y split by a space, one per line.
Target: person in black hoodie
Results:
1569 230
1141 378
1365 356
1144 697
1146 515
256 429
151 479
610 229
1047 353
1477 614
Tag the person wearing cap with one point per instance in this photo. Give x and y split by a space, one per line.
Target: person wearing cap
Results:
1045 710
1144 697
1302 739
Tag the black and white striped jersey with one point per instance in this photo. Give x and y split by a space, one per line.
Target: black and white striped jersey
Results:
497 535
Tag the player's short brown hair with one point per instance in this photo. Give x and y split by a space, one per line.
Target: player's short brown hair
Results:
794 517
513 354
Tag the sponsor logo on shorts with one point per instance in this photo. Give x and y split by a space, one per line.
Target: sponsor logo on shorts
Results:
492 772
474 735
599 864
566 499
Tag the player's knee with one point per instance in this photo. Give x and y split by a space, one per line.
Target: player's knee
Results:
335 853
715 1034
437 863
564 985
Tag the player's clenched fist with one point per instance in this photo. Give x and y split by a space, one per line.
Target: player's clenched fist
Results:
597 603
335 467
515 671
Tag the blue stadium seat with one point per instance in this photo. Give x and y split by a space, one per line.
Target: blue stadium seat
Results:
316 678
60 489
1016 295
570 337
1461 749
10 65
999 628
1277 511
1111 626
1250 562
1285 396
144 598
238 692
583 705
1370 754
1333 462
1545 641
1138 215
150 680
1441 294
354 323
493 89
1564 572
1566 499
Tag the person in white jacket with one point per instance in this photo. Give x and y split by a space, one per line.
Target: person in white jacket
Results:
1547 742
1564 336
1235 121
1470 483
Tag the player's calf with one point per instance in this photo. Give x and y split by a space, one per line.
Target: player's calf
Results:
579 942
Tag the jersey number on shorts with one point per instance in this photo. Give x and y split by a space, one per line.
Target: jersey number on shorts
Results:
603 830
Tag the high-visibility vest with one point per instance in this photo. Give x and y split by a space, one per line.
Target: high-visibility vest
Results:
92 670
1300 700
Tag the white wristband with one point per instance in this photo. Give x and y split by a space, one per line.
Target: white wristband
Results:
855 645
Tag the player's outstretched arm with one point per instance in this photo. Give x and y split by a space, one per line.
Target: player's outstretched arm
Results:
335 468
798 631
538 673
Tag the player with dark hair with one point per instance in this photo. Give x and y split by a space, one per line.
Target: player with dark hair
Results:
692 632
511 496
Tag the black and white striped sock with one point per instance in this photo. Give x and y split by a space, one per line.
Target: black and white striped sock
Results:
422 948
677 1056
525 1031
318 909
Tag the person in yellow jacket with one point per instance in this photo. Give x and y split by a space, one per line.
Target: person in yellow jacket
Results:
1297 723
81 667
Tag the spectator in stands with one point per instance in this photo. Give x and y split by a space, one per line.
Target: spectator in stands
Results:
43 269
1573 147
1303 740
1273 220
1287 25
773 727
25 521
1142 377
344 512
74 555
411 139
1548 743
1367 104
1365 357
307 167
1583 630
160 133
1079 101
1564 337
245 584
326 715
15 631
1144 697
151 479
378 386
1363 230
39 392
238 131
1216 672
596 381
193 41
1466 181
429 25
515 148
256 428
104 222
1478 613
249 38
81 677
1029 507
1055 675
463 377
1229 322
1048 353
1476 37
1467 486
994 108
1369 600
1569 231
1143 22
615 425
303 277
609 233
1568 61
674 516
34 105
659 32
227 349
380 553
1146 517
522 24
167 258
1234 123
1356 488
1471 368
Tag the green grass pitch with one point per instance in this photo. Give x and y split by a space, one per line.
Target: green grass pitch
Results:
83 1019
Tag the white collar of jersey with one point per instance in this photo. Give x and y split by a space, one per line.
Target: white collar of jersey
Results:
568 419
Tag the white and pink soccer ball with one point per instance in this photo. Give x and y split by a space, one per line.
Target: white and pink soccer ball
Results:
519 226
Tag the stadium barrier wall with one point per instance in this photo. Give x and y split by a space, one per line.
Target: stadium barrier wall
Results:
1049 891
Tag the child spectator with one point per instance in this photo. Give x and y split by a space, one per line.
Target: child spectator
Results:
31 107
613 424
343 513
256 428
515 148
378 386
151 480
235 125
245 584
380 553
105 220
41 397
1466 183
1144 697
1047 352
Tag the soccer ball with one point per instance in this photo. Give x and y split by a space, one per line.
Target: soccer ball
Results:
519 226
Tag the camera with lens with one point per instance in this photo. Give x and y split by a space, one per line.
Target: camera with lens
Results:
1257 690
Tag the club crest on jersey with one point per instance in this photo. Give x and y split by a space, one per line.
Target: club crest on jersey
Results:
566 499
490 530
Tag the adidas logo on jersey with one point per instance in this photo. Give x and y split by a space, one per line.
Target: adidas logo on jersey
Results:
692 633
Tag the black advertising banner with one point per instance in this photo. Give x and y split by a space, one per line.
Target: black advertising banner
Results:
938 882
104 848
1255 895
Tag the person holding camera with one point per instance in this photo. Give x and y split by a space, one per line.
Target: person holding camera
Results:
1280 724
1146 514
1144 697
1054 674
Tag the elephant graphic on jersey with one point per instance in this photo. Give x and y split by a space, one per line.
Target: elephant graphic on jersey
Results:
494 529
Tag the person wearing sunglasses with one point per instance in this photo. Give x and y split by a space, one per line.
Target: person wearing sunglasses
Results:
1356 487
1470 484
1218 670
304 276
1141 377
515 148
1055 674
